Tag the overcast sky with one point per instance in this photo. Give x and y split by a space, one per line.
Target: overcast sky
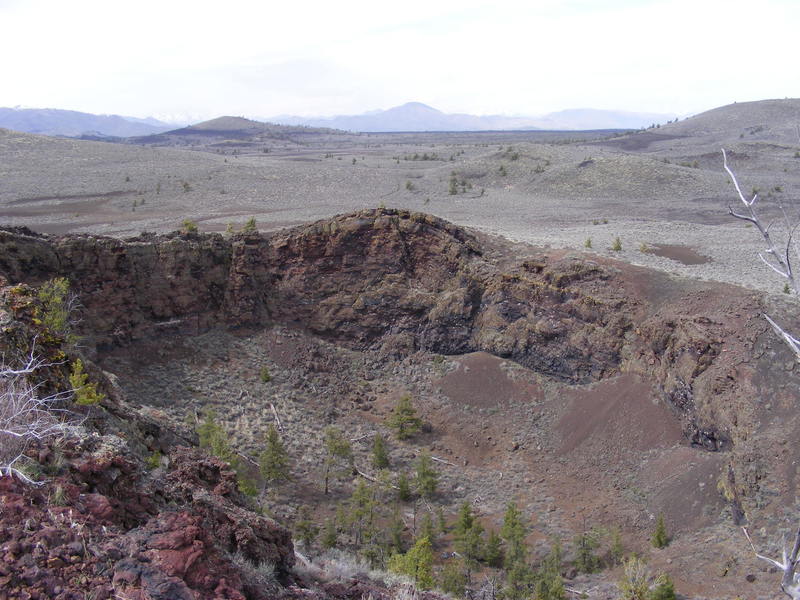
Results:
195 59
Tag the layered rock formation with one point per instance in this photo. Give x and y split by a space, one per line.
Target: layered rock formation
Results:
391 282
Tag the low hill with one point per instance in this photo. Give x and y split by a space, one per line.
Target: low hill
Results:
772 120
227 131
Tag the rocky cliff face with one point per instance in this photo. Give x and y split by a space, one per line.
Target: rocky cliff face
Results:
394 282
384 280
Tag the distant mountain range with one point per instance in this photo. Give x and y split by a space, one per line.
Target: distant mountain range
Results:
415 116
70 123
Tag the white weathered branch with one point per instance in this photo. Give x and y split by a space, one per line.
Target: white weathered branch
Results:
790 340
790 582
780 262
277 418
25 417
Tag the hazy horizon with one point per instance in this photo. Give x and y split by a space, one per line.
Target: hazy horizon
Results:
188 61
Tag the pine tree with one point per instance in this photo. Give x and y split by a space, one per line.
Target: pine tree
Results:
330 536
380 454
338 454
454 578
441 522
404 420
417 563
426 478
663 590
553 561
471 544
549 585
273 462
85 392
514 532
426 528
214 438
660 537
520 580
403 488
465 520
305 529
493 553
396 528
362 511
617 549
585 559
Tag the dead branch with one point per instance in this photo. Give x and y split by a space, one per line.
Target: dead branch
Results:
372 479
247 458
790 582
441 460
25 417
780 262
277 418
361 437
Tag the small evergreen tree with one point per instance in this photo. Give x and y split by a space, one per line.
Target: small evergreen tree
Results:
663 590
403 488
520 580
493 553
553 561
396 527
305 529
465 519
417 563
404 420
85 392
426 528
514 532
586 561
330 536
635 582
380 454
617 549
550 586
362 511
273 462
338 454
454 578
250 225
56 307
426 478
441 522
660 537
471 544
214 438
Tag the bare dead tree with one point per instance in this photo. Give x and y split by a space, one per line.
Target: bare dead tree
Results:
26 418
780 261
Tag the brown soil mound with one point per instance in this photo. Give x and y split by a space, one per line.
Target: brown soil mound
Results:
480 381
621 409
682 254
